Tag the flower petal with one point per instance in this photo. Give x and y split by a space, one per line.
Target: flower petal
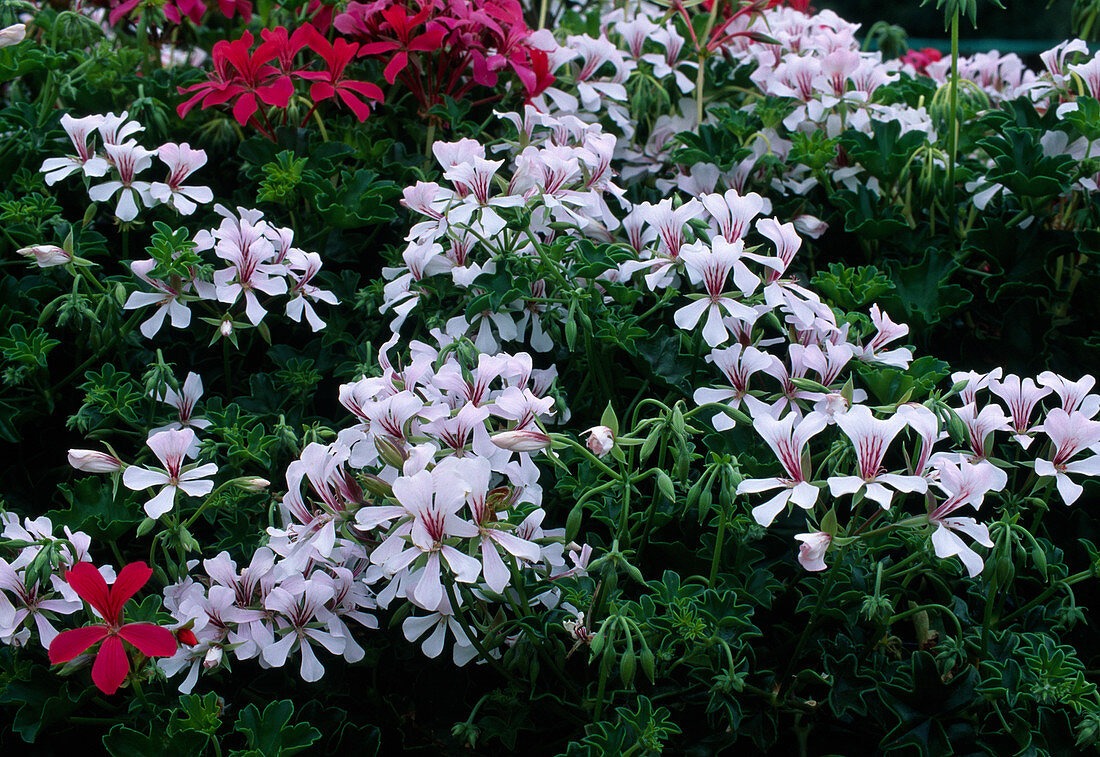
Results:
89 584
151 640
111 666
69 644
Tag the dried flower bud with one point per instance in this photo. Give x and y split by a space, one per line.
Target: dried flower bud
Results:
521 440
91 461
12 35
45 255
600 440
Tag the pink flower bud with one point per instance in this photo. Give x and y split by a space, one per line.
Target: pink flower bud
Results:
46 255
521 440
812 552
600 440
213 658
226 328
91 461
12 35
810 226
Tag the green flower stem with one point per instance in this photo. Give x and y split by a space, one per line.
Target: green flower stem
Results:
716 558
914 610
1066 582
585 452
953 120
460 616
119 335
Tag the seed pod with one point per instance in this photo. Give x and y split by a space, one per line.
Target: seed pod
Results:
573 522
627 666
665 486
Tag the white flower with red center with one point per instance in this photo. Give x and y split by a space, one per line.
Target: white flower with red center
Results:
432 500
981 424
886 331
733 213
440 622
166 299
476 176
78 129
1021 398
871 437
1070 434
129 160
492 533
787 438
711 266
737 363
184 402
303 266
787 244
965 484
182 161
299 607
171 448
927 425
114 129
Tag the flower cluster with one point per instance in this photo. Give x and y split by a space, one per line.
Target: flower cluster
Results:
260 261
445 48
123 158
249 79
447 501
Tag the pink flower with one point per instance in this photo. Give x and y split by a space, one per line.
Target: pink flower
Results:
1070 433
112 665
787 438
811 555
871 437
600 440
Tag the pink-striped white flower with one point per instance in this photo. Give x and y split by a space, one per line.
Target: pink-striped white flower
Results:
93 461
733 213
965 484
710 265
171 448
166 298
129 160
78 129
1021 398
787 437
299 607
1070 433
184 401
871 437
182 161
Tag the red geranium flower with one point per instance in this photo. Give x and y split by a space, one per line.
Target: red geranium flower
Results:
112 664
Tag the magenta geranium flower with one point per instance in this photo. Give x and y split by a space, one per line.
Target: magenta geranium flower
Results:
112 663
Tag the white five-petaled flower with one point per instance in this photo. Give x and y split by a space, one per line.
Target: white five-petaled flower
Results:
78 129
710 265
965 484
182 161
171 448
871 437
1070 433
129 159
787 437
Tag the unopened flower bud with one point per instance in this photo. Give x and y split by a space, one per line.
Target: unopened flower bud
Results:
390 453
12 35
45 255
187 637
600 440
521 440
213 658
252 483
810 226
91 461
226 328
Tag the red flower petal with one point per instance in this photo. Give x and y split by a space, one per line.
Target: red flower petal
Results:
245 108
151 640
68 644
129 582
91 587
396 66
111 666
